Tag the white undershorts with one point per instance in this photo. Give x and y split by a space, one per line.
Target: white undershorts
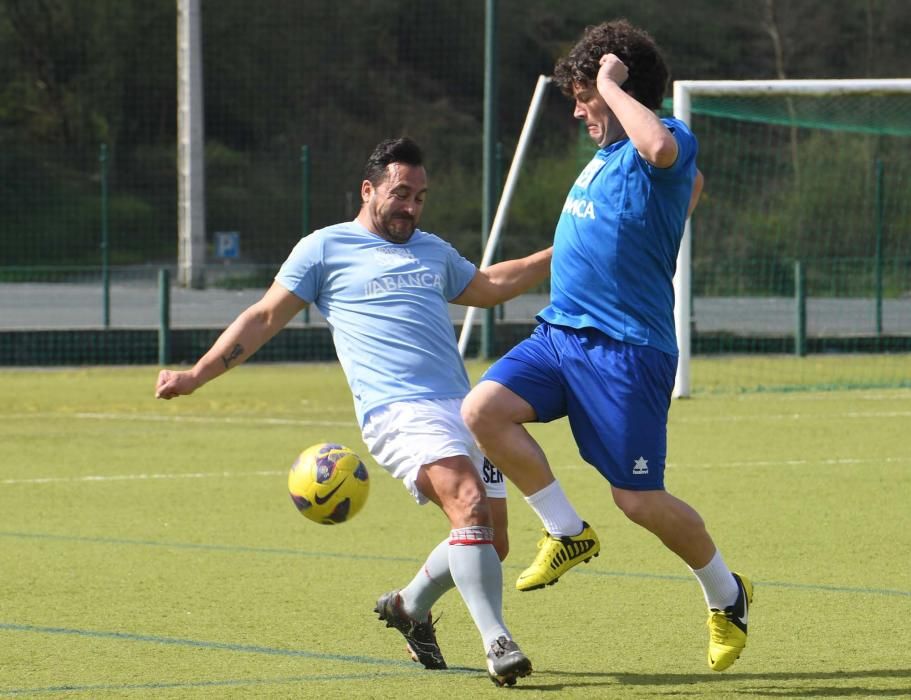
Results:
405 435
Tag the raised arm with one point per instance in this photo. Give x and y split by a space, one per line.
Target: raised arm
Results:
246 334
506 280
648 133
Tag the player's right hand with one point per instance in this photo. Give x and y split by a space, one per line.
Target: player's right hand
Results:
612 68
171 384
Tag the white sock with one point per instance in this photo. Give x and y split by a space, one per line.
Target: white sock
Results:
556 512
432 580
478 574
718 585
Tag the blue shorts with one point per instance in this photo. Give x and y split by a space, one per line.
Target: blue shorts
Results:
616 396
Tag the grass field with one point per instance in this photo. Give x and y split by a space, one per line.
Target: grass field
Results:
149 549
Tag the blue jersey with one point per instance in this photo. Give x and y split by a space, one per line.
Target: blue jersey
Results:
387 307
616 243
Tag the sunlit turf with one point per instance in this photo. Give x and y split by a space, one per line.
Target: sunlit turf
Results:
149 549
757 373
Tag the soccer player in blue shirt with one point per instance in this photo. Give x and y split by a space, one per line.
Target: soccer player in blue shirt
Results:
605 352
384 286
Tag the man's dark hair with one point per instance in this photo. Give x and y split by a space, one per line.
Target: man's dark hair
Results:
400 150
648 74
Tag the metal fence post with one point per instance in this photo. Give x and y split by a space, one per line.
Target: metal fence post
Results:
105 248
305 205
800 302
498 180
878 261
305 190
491 128
164 316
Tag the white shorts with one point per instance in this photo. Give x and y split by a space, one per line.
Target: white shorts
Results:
404 436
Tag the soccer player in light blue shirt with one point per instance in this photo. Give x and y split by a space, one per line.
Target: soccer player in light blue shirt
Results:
384 286
605 352
386 304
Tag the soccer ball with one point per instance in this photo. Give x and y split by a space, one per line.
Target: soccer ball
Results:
328 483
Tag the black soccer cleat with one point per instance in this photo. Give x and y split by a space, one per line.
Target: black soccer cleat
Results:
506 662
420 637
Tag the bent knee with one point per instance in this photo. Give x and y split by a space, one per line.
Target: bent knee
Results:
472 410
634 505
481 409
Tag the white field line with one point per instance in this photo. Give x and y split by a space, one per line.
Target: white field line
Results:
790 463
790 416
563 467
760 463
266 420
158 418
211 419
890 395
249 420
137 477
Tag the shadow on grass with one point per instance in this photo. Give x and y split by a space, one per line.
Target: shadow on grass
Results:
783 684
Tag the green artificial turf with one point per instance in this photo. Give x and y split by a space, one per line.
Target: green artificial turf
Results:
150 549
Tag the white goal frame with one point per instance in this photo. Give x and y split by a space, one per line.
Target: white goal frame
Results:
499 219
684 90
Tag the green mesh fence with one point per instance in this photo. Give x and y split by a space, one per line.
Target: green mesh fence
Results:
882 114
295 98
802 239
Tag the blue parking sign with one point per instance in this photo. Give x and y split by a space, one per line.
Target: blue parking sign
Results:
227 245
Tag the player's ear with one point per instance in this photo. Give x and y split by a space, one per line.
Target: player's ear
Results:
366 191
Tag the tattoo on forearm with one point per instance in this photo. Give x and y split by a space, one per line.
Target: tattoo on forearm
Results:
236 352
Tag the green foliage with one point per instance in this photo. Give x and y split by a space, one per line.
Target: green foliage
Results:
776 194
538 202
340 76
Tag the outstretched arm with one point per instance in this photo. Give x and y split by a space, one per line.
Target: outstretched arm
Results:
505 280
246 334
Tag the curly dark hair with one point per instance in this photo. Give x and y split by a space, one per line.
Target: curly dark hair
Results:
648 74
400 150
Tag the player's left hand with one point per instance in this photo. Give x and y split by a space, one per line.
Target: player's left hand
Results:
613 69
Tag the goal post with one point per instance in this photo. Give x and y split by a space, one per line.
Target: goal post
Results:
807 197
499 220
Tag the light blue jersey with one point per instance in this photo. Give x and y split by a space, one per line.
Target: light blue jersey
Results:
387 307
616 243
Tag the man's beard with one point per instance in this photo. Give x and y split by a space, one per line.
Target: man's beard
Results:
398 228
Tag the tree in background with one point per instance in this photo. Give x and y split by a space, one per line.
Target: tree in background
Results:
338 76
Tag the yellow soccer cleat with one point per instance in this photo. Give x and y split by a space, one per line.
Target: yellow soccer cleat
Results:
728 627
556 556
